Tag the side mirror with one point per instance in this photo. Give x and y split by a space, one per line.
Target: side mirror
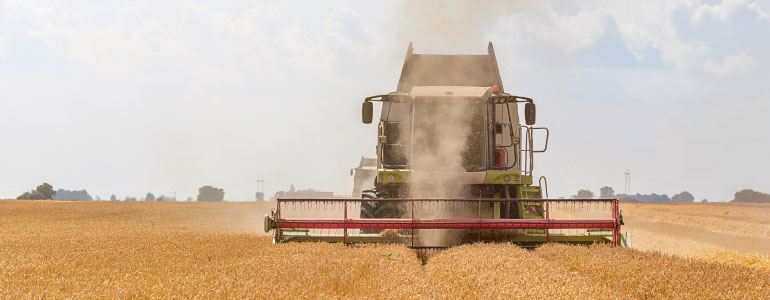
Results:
529 113
366 112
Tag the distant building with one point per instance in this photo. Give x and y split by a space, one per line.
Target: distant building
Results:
363 176
307 195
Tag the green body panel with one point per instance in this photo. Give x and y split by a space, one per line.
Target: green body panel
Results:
402 176
529 192
531 210
498 177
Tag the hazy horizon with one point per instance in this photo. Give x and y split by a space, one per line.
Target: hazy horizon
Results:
127 98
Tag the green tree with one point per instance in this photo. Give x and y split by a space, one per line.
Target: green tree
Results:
32 195
46 190
149 197
43 191
210 193
749 195
606 192
683 197
583 194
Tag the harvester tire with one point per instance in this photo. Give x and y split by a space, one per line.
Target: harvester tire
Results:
378 210
367 210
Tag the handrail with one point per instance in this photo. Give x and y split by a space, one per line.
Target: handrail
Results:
547 135
540 183
528 159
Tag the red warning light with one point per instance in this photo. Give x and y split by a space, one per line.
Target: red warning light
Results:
495 89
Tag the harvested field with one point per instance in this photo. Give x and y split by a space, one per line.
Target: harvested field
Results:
51 249
737 233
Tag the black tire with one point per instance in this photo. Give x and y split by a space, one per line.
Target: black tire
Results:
379 210
367 210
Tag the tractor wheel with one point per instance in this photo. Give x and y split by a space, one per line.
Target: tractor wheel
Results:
379 210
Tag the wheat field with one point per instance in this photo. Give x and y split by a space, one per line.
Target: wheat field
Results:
159 250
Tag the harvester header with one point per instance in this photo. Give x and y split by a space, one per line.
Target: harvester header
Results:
525 232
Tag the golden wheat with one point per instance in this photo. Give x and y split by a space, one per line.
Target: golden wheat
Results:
752 260
52 249
505 271
650 275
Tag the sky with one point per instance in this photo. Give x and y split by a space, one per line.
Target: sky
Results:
130 97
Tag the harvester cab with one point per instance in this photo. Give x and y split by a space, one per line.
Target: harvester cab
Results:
454 165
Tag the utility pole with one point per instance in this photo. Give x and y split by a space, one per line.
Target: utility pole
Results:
260 190
261 181
627 190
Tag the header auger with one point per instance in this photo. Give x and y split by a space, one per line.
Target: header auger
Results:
454 165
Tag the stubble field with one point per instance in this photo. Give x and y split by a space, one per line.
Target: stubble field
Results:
53 249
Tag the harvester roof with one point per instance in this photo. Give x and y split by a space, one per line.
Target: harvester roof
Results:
449 70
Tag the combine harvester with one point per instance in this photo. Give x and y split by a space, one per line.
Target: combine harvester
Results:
454 165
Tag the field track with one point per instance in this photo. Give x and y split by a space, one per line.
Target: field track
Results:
54 249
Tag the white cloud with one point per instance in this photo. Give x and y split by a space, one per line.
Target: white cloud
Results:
644 27
730 64
721 12
343 24
568 32
649 25
763 15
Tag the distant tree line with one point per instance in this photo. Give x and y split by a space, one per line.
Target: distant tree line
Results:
151 197
745 195
608 192
46 192
62 194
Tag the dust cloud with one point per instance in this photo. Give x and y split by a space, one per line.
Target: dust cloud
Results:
442 133
440 139
452 27
445 138
218 217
